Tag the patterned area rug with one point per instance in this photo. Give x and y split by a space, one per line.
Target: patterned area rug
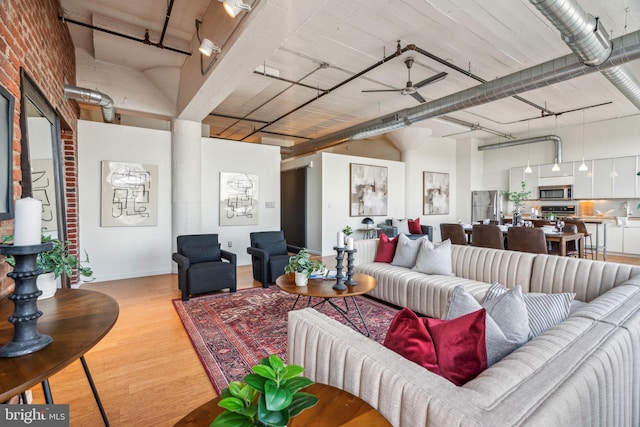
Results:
232 332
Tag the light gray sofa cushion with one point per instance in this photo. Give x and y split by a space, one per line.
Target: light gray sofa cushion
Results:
434 259
407 251
507 322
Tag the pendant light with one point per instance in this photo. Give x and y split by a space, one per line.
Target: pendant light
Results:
528 168
555 167
583 167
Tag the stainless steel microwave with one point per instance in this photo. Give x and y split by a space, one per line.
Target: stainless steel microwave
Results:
555 192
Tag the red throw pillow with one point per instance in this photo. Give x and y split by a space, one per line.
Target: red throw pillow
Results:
460 345
408 336
414 226
386 248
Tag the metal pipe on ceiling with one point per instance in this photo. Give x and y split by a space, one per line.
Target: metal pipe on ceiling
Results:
166 22
625 49
587 38
92 97
555 138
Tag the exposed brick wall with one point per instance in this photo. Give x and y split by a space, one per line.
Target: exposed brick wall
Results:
34 39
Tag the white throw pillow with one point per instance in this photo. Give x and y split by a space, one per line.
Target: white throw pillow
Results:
402 225
545 310
407 251
506 324
434 260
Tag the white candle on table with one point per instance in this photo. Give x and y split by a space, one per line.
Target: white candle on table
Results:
340 239
28 222
350 243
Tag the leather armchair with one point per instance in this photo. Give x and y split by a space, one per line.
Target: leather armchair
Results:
203 266
269 255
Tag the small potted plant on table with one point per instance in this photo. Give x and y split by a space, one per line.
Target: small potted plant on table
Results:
53 263
302 265
270 396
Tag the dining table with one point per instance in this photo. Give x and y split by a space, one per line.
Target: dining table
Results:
551 234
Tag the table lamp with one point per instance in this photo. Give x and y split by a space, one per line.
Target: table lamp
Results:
368 222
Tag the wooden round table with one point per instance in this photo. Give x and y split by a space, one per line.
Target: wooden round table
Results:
323 288
76 319
335 408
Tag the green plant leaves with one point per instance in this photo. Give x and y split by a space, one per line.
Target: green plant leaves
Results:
272 418
255 381
276 398
264 371
291 371
300 402
231 419
231 403
297 383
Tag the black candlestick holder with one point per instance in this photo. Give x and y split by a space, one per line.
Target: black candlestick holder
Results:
26 338
350 281
339 286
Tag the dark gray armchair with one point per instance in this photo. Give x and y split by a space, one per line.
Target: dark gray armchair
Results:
203 266
269 255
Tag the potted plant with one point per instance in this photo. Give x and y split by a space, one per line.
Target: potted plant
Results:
302 265
53 263
347 230
270 396
517 197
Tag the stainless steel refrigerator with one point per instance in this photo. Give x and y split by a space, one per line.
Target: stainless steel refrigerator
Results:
487 204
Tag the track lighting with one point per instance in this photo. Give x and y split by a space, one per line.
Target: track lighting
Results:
207 47
234 7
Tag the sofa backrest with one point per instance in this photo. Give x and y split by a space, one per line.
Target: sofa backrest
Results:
587 278
366 251
493 265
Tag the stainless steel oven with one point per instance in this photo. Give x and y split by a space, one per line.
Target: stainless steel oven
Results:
555 192
559 211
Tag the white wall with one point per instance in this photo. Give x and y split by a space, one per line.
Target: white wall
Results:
229 156
123 252
336 192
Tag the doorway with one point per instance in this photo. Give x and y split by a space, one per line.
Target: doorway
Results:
293 212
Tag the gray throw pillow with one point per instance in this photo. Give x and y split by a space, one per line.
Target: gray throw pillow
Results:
506 324
202 254
545 310
434 259
402 225
407 251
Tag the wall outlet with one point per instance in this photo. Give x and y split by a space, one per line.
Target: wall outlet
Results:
229 244
270 204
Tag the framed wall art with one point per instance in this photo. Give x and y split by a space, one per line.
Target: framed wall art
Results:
368 190
129 194
436 193
238 198
6 154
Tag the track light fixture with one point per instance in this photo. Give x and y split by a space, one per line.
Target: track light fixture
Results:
234 7
207 47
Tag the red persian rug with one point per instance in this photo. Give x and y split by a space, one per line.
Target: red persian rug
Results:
233 331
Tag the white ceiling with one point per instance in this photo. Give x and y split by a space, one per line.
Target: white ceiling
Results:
489 38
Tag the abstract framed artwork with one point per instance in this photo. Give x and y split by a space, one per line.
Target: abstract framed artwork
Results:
6 154
436 193
238 198
368 190
129 194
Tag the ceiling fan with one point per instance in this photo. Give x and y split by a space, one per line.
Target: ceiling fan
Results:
410 88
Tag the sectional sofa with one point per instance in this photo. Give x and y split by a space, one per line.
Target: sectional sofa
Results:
584 371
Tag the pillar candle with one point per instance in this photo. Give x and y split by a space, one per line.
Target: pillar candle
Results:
28 222
340 239
350 243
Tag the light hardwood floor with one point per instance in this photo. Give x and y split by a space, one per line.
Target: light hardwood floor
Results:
145 369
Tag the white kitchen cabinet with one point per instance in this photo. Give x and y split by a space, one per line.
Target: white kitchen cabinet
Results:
623 176
602 179
615 238
583 181
631 241
517 175
566 169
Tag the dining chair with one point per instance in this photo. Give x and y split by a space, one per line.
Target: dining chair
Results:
572 247
582 228
453 232
487 236
527 239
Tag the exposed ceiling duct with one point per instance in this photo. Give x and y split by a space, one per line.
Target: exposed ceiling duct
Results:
587 38
555 138
92 97
625 49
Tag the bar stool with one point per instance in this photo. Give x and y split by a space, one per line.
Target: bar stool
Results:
582 228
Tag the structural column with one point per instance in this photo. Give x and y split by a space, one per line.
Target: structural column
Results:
186 142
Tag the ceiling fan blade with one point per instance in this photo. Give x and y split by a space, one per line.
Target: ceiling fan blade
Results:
431 79
418 97
382 90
